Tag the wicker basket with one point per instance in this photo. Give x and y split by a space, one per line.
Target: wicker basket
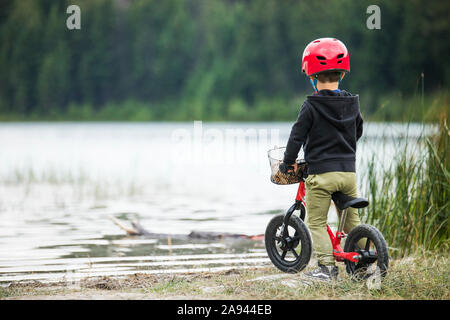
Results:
275 158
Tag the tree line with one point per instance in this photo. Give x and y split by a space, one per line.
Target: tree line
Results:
210 59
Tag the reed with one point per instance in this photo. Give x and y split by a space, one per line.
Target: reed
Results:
410 196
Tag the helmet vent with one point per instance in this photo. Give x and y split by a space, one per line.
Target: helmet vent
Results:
340 61
324 63
320 58
340 56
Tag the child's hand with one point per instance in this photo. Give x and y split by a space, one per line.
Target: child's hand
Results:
284 167
295 165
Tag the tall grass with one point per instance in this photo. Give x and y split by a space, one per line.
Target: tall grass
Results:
410 197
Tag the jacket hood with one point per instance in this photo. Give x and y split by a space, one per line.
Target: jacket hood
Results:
338 108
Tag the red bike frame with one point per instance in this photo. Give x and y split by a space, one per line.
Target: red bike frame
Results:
338 252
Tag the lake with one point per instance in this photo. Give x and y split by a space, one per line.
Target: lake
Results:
60 183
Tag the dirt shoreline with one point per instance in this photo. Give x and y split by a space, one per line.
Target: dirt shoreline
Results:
424 277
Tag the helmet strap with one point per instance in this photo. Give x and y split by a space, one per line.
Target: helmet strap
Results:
314 83
341 77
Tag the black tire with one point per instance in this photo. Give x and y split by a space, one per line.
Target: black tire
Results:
375 246
292 256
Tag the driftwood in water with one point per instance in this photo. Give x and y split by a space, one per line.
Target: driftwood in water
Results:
137 230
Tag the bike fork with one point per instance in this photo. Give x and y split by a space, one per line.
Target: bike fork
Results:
290 211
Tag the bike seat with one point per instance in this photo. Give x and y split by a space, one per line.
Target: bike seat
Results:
343 201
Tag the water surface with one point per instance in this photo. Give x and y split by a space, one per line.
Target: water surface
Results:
61 182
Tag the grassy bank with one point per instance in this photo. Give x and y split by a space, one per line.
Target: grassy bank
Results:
410 196
423 276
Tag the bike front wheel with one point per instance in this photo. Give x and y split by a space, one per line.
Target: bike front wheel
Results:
289 248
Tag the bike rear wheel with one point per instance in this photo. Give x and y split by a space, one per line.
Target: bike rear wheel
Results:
289 248
374 254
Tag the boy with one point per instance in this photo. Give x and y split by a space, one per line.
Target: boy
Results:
328 126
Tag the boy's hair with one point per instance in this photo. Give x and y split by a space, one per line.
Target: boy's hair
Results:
329 76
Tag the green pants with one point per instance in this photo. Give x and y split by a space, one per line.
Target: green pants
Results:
319 188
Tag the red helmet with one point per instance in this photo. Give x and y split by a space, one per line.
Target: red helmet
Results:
325 54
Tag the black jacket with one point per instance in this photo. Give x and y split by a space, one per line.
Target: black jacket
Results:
328 126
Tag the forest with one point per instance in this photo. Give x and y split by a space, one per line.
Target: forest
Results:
215 60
